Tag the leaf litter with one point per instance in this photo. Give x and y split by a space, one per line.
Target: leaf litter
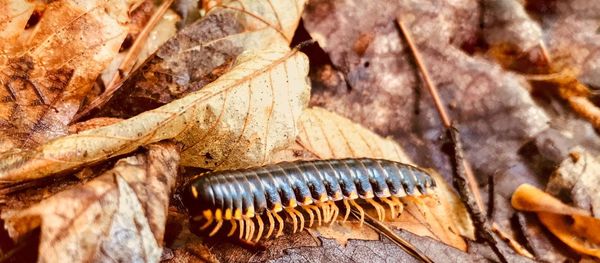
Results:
364 72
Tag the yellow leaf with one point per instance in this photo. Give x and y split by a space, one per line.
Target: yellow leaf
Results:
573 226
200 53
235 121
47 70
326 135
118 216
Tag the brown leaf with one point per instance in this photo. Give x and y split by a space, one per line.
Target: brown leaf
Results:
507 22
577 179
573 226
47 70
236 121
381 89
163 31
328 135
119 216
182 66
570 28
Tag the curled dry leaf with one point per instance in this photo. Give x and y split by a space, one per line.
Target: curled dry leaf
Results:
181 66
578 178
235 121
118 216
46 70
328 135
381 89
575 227
160 33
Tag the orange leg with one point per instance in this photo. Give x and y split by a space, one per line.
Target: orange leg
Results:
347 210
310 214
361 210
271 224
233 227
260 228
217 227
280 220
336 212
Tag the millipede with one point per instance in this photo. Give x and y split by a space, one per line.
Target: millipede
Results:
249 197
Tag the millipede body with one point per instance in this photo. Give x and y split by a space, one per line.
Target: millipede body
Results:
242 198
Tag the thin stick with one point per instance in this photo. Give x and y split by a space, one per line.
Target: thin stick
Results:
438 105
463 175
429 84
128 63
545 52
398 240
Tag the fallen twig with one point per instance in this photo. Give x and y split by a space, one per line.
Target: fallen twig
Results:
464 179
398 240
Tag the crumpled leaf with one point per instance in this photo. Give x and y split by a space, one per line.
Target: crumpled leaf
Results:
163 31
507 22
575 227
118 216
577 179
47 74
371 251
492 108
328 135
514 38
235 121
203 51
570 30
544 246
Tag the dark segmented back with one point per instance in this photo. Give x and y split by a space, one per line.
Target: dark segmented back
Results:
243 193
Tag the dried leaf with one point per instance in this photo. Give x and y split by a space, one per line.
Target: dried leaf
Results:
181 66
570 29
328 135
507 22
577 179
13 19
576 227
544 246
163 31
119 216
46 75
382 90
236 121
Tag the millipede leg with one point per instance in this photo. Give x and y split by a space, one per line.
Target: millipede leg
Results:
217 227
242 227
207 224
347 206
249 229
318 211
310 214
391 205
293 217
325 208
233 227
360 209
271 224
261 227
280 221
301 217
380 210
336 212
398 203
